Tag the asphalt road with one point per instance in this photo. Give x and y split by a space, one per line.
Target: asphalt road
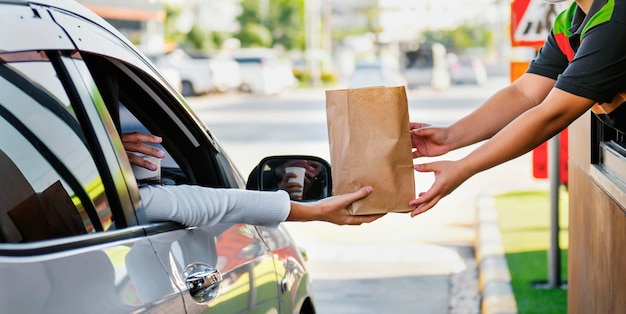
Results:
396 264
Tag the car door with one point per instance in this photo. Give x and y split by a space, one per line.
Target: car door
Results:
232 255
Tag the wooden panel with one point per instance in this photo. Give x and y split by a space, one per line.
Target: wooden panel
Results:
579 139
597 269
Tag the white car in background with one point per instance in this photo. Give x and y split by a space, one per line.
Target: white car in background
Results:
427 67
468 70
224 70
195 74
375 73
172 75
263 71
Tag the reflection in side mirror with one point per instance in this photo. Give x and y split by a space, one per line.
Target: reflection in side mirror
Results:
305 178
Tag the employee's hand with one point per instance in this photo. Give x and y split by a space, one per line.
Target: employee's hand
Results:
135 143
448 176
428 141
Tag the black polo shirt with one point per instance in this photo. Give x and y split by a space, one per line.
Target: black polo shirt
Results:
595 65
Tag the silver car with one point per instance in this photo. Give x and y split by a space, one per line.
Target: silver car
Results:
73 233
468 70
427 67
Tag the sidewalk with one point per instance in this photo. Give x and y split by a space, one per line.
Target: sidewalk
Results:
494 278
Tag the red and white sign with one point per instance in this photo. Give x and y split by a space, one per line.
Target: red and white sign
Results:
531 21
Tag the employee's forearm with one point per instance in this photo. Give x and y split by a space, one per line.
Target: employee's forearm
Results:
500 109
483 123
528 131
513 141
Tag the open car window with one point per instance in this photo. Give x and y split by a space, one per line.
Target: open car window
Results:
141 104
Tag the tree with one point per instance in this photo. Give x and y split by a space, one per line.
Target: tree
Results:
255 35
284 21
182 29
461 38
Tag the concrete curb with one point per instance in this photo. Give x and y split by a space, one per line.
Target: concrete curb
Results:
494 279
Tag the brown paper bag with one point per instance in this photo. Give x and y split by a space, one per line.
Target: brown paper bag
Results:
370 144
50 214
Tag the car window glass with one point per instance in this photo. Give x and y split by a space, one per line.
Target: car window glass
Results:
422 58
43 148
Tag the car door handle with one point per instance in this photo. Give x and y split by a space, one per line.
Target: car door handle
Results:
203 281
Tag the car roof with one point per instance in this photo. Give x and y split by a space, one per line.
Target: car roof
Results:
66 5
70 7
71 26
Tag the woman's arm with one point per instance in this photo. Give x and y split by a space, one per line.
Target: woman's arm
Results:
202 207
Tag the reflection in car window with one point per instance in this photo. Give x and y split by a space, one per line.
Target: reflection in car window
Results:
42 142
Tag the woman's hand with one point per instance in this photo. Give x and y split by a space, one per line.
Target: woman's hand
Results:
333 209
294 189
312 168
135 143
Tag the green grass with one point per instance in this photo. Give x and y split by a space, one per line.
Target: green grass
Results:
524 219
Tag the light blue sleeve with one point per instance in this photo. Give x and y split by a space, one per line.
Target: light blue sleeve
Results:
196 206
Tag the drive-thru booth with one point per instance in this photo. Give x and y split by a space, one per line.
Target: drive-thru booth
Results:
597 189
596 180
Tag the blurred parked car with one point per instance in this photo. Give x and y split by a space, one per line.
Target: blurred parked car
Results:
74 237
225 72
172 75
375 73
263 71
468 70
427 66
195 74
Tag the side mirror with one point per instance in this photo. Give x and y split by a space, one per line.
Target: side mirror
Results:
306 178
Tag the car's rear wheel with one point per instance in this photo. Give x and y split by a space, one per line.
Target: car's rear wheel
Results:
187 89
245 88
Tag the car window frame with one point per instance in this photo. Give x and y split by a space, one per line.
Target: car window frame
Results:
74 81
85 104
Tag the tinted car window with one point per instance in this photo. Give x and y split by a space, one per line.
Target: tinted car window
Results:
248 60
421 58
44 152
